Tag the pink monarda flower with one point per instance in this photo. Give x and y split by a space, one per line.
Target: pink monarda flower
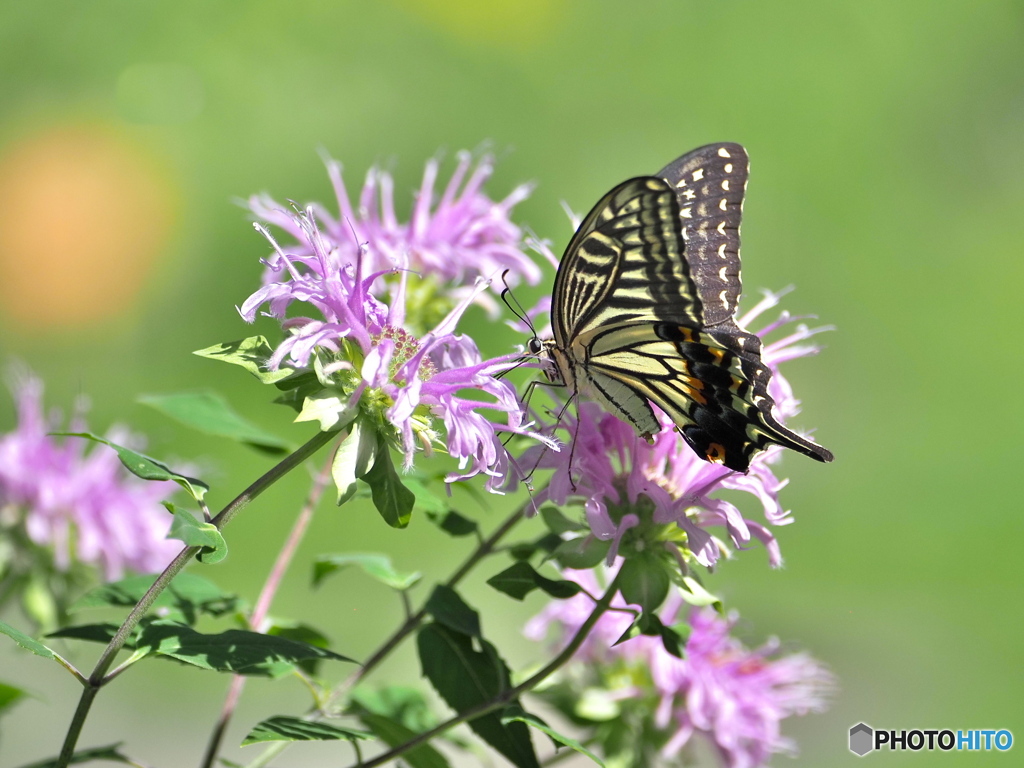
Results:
453 238
84 505
615 474
367 353
734 697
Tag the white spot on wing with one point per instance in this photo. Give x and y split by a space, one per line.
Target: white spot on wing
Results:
721 227
722 203
698 174
689 194
722 272
725 184
728 168
721 296
721 251
723 152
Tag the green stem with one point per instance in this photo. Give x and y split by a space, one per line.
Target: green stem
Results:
486 547
97 678
505 697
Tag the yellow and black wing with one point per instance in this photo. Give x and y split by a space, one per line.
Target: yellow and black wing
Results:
643 310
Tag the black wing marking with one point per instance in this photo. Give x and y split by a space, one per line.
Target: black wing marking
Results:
709 183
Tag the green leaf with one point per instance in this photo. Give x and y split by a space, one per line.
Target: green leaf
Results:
188 595
521 579
109 753
26 642
394 733
695 594
328 407
448 608
581 554
644 581
425 499
518 714
196 533
393 500
353 459
282 728
401 703
95 633
304 633
452 523
146 467
558 522
465 678
649 624
238 651
252 354
377 566
547 543
9 696
211 414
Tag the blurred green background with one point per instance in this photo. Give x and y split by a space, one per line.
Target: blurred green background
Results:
887 185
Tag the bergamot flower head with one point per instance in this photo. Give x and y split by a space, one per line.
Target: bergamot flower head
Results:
81 503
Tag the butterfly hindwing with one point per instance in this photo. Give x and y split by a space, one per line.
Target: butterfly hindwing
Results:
709 183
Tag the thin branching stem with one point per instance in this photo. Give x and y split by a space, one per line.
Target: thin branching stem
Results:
486 547
98 677
266 597
505 697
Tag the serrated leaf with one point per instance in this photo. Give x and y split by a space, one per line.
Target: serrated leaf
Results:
465 678
109 753
644 581
147 467
209 413
518 714
448 608
376 566
94 633
393 500
353 459
237 651
283 728
252 354
393 733
26 642
196 533
187 594
521 578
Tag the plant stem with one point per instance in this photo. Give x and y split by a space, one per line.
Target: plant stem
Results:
96 679
505 697
266 597
485 547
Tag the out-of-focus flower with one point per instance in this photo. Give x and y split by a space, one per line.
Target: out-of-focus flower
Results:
626 483
735 697
452 239
83 504
374 362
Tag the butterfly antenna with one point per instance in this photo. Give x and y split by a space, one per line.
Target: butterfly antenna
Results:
518 309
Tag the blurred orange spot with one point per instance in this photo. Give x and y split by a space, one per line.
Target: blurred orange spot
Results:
83 216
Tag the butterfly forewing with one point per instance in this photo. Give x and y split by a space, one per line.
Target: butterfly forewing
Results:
624 264
643 311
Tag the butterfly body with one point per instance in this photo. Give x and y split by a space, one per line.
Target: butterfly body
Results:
643 311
